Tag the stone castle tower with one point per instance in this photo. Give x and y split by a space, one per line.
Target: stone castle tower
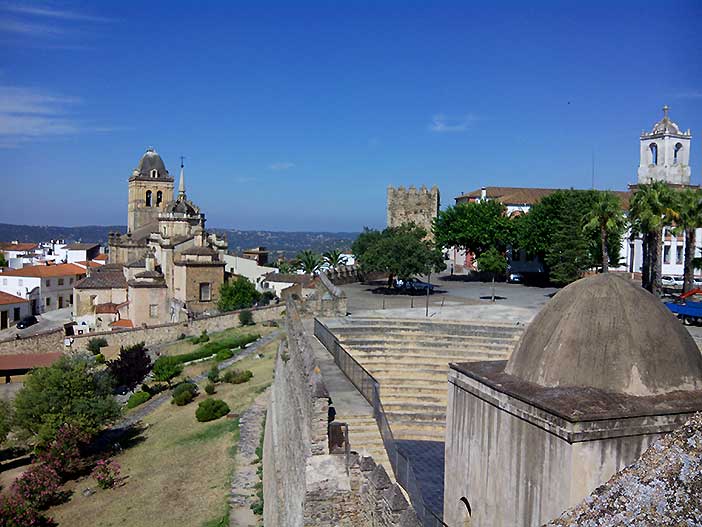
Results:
150 190
419 206
665 153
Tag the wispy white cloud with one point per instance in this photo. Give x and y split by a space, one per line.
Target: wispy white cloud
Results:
28 113
281 166
442 123
51 12
29 28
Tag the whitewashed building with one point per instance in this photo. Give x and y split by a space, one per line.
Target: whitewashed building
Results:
12 309
46 287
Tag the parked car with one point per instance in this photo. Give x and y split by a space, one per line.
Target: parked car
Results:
414 286
515 278
671 281
26 322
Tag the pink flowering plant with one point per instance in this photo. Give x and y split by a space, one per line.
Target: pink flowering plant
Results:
39 486
15 511
106 473
63 454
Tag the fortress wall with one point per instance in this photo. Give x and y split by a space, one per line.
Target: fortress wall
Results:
412 205
53 341
303 484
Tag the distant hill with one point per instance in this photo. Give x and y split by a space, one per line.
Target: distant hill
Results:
287 243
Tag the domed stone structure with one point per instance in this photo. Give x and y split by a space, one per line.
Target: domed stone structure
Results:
600 374
605 332
149 163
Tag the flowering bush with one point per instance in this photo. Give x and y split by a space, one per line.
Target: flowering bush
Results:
38 486
106 473
18 512
63 453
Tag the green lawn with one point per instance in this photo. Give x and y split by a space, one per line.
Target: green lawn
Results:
178 471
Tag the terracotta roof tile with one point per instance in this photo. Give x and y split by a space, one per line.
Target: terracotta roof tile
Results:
7 298
123 323
104 277
26 361
46 271
9 246
525 195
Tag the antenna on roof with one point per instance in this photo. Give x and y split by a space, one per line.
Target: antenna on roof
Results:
182 158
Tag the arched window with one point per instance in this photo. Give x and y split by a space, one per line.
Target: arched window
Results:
154 172
654 153
676 157
159 198
148 198
469 512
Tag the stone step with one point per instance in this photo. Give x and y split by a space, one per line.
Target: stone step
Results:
429 351
397 398
414 406
419 417
410 435
434 325
419 379
438 357
414 391
416 333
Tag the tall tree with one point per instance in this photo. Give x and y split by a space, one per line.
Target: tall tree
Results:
401 251
494 262
606 217
71 391
237 294
475 227
308 261
651 209
132 365
688 205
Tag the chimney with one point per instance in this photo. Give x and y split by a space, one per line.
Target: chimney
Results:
483 193
150 266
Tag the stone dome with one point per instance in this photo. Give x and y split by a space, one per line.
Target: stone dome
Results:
605 332
149 161
665 125
182 206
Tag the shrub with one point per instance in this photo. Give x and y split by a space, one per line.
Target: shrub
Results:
204 337
63 454
184 393
211 409
39 486
99 358
224 355
206 350
209 388
237 376
213 374
138 398
106 473
5 419
181 336
154 389
237 294
94 344
246 318
17 512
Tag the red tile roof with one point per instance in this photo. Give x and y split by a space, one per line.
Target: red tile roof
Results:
524 195
7 298
123 323
92 265
107 307
27 361
46 271
9 246
100 258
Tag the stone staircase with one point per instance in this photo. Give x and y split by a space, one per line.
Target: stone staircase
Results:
410 358
365 438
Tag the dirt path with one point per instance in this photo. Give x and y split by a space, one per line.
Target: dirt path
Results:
243 493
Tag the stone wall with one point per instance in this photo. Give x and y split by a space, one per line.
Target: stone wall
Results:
303 483
350 274
328 300
53 340
419 206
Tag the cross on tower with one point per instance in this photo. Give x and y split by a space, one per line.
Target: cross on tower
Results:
182 158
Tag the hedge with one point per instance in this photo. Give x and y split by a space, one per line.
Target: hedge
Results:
138 398
211 409
209 349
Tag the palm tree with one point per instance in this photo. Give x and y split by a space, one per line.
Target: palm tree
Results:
688 205
650 210
308 261
606 216
334 258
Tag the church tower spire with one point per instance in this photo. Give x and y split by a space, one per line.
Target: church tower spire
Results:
181 185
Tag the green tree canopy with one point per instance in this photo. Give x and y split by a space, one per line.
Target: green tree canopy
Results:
605 219
5 419
401 251
688 207
237 294
334 258
476 227
71 391
3 261
494 262
553 229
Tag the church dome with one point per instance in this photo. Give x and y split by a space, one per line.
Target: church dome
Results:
182 206
665 125
604 332
151 161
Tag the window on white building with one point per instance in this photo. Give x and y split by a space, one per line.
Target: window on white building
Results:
205 292
666 254
48 301
153 311
60 281
20 282
679 255
48 283
654 153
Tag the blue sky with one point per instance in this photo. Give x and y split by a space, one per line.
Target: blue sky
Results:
296 116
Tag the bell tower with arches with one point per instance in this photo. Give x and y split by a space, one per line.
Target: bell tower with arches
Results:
150 190
665 153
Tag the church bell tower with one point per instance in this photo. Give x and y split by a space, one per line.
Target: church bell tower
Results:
150 190
665 153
